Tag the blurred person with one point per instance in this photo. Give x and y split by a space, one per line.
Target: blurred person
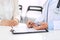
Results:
9 15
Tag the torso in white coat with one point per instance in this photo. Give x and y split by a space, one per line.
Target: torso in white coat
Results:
5 9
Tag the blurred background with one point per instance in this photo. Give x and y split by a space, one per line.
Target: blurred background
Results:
50 11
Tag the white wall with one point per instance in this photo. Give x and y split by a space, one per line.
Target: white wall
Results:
26 3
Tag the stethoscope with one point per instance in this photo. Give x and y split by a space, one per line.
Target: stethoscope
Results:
58 8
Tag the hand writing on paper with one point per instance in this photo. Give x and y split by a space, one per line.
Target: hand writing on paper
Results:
8 23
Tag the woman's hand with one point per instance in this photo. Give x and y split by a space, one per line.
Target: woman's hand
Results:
42 26
9 22
13 22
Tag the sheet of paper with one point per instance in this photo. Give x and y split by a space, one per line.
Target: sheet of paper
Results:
23 28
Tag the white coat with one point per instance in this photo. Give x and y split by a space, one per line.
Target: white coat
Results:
9 9
53 12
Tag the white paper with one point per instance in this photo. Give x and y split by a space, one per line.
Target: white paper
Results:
22 27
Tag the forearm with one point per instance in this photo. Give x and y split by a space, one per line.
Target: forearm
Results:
17 20
4 22
41 27
13 22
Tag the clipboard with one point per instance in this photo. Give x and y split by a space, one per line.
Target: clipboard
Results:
22 28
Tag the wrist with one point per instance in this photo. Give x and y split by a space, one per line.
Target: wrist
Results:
16 20
0 20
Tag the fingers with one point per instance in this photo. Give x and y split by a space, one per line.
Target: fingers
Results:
29 24
43 26
13 23
8 23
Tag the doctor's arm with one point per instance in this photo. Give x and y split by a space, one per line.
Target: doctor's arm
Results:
42 25
38 24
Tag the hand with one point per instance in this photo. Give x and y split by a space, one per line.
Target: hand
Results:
42 26
9 22
13 23
45 25
29 24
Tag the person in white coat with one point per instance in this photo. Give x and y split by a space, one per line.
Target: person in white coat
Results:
9 15
52 8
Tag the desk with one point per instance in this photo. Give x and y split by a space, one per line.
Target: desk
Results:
5 34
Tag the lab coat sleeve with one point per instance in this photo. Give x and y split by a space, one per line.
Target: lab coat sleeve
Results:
16 14
45 10
39 20
44 16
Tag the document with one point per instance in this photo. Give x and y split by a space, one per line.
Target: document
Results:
22 27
